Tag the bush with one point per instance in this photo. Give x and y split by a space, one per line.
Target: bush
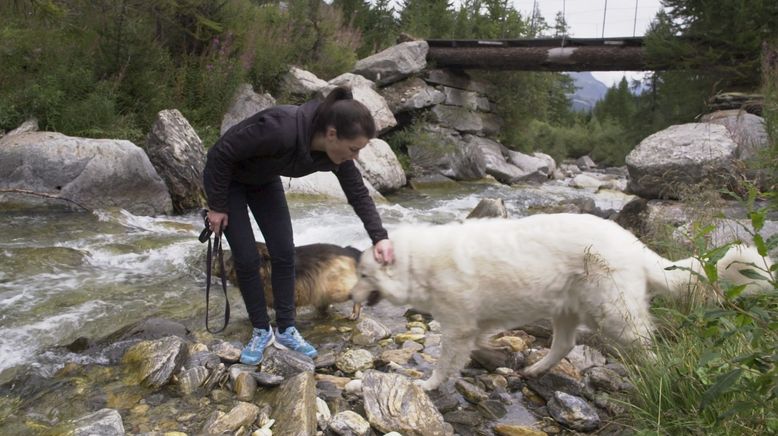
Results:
715 370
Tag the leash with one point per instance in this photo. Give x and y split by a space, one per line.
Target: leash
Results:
214 249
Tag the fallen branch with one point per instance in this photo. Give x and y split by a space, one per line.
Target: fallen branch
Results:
41 194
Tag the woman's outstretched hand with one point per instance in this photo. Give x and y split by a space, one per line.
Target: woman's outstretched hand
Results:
383 251
218 221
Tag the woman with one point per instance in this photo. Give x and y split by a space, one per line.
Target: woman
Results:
243 170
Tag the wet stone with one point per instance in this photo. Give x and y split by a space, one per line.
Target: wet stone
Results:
469 418
245 386
286 363
471 392
516 430
493 359
202 358
492 409
604 379
191 379
550 382
267 380
328 390
573 412
227 352
325 360
348 423
354 360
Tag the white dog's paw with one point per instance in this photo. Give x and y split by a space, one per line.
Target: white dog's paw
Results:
427 385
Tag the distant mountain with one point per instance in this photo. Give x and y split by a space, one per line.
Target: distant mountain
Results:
588 91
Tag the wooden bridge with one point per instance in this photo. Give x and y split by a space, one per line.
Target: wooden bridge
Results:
551 54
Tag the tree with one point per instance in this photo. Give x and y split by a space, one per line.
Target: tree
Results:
427 18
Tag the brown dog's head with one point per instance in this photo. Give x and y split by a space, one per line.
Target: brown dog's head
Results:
376 281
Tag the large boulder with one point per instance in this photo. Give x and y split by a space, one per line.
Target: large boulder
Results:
496 164
411 94
93 173
442 151
748 130
380 166
178 155
457 79
669 161
301 83
394 63
465 120
364 92
321 185
245 104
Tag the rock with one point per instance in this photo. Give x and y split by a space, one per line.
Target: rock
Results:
243 414
489 208
465 121
584 357
354 387
401 356
457 79
380 166
267 380
245 104
293 404
496 164
573 412
191 379
152 363
245 386
443 151
339 382
322 184
323 415
471 392
748 130
286 363
30 125
93 173
363 91
604 379
102 422
348 423
409 95
178 155
226 351
492 409
394 403
491 359
516 430
354 360
666 163
585 163
394 63
302 83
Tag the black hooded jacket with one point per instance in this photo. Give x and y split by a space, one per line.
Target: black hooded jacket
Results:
276 142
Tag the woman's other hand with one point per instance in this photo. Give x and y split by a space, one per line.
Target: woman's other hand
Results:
383 251
218 221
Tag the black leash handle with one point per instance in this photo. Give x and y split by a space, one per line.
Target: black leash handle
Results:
214 249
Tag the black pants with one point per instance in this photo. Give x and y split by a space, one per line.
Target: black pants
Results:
268 205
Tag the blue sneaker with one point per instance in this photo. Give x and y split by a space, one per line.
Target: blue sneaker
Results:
252 353
292 340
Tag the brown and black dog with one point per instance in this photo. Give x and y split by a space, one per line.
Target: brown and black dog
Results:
325 274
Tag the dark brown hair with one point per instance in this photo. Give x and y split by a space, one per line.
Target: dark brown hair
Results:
349 117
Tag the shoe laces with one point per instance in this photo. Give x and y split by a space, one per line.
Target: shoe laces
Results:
258 338
296 335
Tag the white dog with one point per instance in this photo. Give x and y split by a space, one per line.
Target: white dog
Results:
483 276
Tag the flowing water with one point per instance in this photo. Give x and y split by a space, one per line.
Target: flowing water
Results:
70 275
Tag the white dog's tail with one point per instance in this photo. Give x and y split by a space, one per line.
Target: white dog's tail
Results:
669 278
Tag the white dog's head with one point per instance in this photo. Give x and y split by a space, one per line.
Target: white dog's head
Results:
377 281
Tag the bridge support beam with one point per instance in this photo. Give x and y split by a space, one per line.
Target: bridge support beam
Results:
580 58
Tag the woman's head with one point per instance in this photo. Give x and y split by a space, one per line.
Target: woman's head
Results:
344 125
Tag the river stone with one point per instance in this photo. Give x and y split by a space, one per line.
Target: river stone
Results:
369 331
267 380
202 358
348 423
243 414
323 414
664 164
471 392
339 382
30 125
574 412
178 155
102 422
401 356
379 165
94 173
191 379
226 351
152 363
489 208
748 130
584 357
286 363
550 382
604 379
516 430
293 404
394 403
245 386
354 387
299 82
354 360
492 409
491 359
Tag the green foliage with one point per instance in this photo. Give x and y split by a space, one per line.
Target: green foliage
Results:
715 368
427 19
603 141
